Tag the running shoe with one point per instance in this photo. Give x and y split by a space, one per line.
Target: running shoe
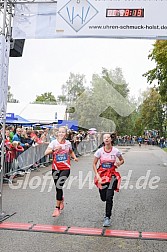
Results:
62 204
107 222
56 212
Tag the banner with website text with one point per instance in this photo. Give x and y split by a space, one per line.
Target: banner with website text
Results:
97 18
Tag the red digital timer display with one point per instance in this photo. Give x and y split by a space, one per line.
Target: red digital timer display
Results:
125 13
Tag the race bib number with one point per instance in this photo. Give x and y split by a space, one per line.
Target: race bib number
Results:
107 165
61 157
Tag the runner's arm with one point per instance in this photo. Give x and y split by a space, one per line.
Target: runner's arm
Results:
95 161
121 161
72 154
50 150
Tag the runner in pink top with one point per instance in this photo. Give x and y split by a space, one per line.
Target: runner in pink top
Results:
62 151
107 179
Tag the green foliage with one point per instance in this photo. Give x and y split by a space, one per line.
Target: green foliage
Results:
116 79
61 99
151 114
74 87
159 73
47 98
95 106
70 110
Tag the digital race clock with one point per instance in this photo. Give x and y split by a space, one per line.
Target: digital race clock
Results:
124 12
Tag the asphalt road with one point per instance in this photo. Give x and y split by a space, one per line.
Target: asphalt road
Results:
141 205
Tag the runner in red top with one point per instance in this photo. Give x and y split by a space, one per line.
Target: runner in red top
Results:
107 179
62 151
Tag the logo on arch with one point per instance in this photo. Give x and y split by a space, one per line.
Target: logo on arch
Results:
77 13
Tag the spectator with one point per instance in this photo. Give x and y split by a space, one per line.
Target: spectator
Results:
17 137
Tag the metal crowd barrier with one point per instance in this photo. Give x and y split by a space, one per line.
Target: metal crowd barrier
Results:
87 146
29 159
125 143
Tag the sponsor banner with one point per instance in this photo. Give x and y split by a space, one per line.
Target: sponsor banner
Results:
112 18
34 20
91 18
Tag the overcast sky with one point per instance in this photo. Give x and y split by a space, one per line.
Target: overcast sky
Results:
46 64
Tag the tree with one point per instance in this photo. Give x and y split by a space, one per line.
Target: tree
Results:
10 96
74 87
151 112
97 106
111 90
47 98
61 99
159 73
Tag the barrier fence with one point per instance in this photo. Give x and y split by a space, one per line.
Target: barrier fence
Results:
121 142
87 146
31 159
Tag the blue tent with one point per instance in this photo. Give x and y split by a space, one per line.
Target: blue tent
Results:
16 119
73 125
43 126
